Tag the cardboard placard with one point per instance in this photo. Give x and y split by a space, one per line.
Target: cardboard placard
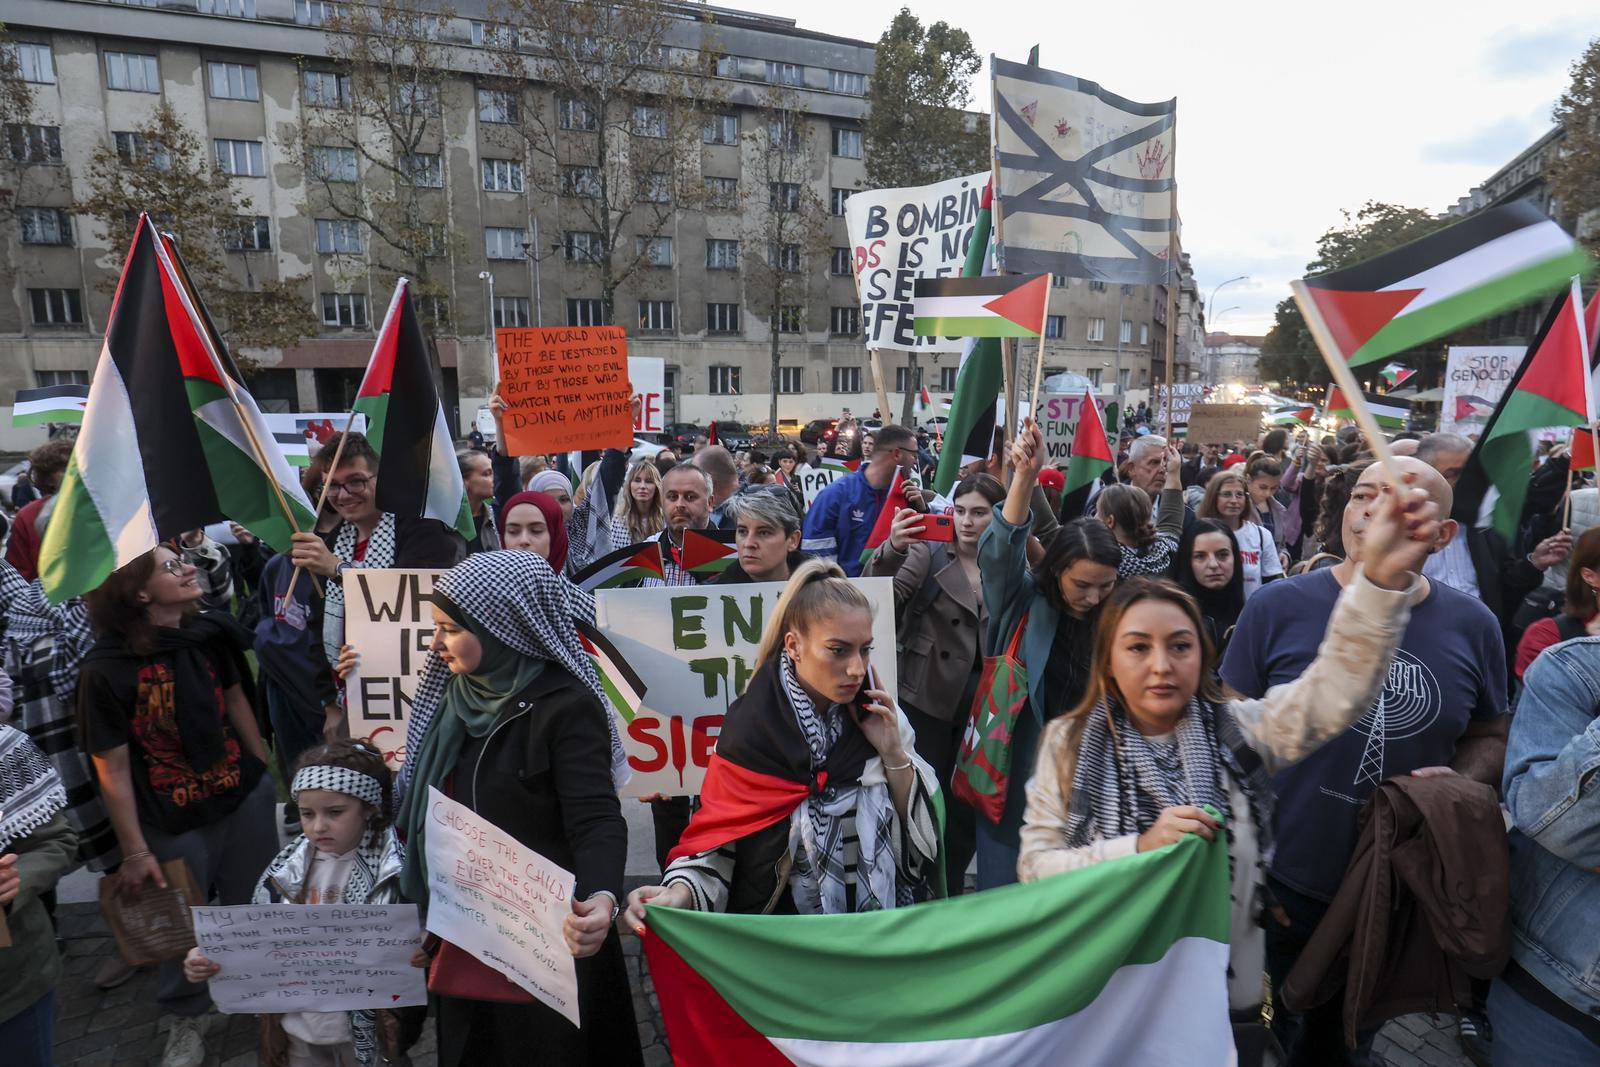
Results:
388 618
694 648
813 480
1059 415
155 924
1184 395
565 388
647 376
1223 424
312 957
1475 378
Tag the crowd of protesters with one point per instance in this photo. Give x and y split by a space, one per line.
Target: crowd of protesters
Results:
1263 640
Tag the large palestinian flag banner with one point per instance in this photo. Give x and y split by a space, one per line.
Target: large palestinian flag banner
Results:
1038 975
406 424
171 439
1497 259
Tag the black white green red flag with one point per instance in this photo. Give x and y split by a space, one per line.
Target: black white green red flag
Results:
406 426
49 403
1391 412
171 439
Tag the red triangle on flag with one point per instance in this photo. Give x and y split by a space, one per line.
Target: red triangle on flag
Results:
1353 318
1025 304
1090 440
891 504
1582 450
648 558
1555 370
702 1026
1306 414
698 550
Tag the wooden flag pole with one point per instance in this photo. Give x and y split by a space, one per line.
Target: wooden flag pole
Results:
1038 363
875 355
1172 303
1584 341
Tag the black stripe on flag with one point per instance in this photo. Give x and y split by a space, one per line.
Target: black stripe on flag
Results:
985 285
599 640
52 392
1411 259
409 419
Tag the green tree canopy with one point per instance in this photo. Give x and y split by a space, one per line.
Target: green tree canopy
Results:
1575 175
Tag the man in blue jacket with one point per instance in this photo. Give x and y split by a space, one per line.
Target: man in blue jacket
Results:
840 520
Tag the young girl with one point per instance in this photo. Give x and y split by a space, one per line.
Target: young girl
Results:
347 854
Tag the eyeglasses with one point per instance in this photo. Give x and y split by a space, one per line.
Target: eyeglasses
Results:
175 567
350 486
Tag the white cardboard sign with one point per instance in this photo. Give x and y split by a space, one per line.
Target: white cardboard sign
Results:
389 620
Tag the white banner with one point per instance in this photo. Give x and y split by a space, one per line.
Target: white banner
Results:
388 618
813 480
647 375
493 896
694 648
900 235
1475 378
311 957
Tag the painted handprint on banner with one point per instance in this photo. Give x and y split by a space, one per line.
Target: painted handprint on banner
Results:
1153 160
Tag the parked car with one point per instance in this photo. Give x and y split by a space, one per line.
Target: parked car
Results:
732 435
683 433
817 431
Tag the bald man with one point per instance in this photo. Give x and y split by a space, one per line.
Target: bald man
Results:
1442 710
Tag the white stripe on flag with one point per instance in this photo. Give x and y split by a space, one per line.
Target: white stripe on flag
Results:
951 307
223 417
445 487
1504 255
110 468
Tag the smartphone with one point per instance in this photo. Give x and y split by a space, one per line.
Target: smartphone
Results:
935 528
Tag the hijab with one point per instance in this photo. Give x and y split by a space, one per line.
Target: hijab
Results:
547 480
554 520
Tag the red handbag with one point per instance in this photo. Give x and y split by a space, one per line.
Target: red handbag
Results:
455 972
983 767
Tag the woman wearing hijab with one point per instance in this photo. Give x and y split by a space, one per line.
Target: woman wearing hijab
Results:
1207 568
532 522
510 720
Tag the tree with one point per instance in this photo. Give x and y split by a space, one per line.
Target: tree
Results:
1575 175
164 169
21 155
1289 354
371 146
918 130
610 116
785 221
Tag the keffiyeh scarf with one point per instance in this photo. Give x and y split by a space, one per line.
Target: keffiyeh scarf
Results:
380 553
31 793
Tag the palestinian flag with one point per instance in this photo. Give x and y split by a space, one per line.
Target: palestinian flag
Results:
969 434
292 443
406 424
1294 416
1497 259
624 688
1582 453
171 440
923 402
1091 457
893 502
625 566
1550 388
1000 305
1061 971
1394 375
706 551
1390 412
50 403
841 467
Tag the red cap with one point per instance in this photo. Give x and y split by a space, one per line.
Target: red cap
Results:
1233 460
1051 478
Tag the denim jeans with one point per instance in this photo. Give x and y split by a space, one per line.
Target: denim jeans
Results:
1525 1036
29 1036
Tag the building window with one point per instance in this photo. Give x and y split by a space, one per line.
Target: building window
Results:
655 188
722 255
1126 333
428 239
783 131
243 159
499 106
657 251
416 98
839 263
581 182
724 381
314 12
1060 281
581 246
56 307
655 314
344 309
424 169
585 311
721 128
135 148
1055 326
836 200
727 66
248 233
791 379
239 9
785 258
324 88
847 379
45 226
844 81
791 318
29 143
649 121
846 142
132 72
785 73
505 242
333 163
1097 287
722 318
576 115
844 321
722 193
339 237
947 379
1094 374
1144 333
511 312
783 196
1097 329
502 175
45 378
233 81
34 62
495 35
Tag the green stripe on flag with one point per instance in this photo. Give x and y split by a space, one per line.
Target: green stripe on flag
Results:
20 418
970 326
613 694
83 554
376 409
1507 456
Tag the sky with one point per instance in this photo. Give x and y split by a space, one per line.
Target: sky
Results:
1288 114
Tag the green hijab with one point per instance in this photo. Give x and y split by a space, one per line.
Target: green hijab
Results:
468 707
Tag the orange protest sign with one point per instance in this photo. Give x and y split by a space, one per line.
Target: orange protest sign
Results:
565 388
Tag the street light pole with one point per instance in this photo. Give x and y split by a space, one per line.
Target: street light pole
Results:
1213 303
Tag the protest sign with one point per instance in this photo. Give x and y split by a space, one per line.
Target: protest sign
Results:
312 957
1183 396
1058 421
1475 378
565 388
694 649
900 235
647 376
498 899
1221 424
301 434
388 618
813 480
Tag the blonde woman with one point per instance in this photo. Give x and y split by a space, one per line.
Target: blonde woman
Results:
639 513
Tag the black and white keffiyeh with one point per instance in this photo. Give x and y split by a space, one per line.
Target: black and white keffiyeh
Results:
29 616
344 780
520 600
31 792
379 554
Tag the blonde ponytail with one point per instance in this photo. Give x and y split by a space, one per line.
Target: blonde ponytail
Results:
819 587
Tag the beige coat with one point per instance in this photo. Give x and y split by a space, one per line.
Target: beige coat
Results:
945 641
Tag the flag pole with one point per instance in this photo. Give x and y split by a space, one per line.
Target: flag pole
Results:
875 356
1172 297
1584 341
1008 348
1345 379
1038 363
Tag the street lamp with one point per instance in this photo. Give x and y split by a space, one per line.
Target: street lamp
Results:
488 280
1218 287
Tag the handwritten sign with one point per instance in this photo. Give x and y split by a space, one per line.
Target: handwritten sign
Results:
1059 415
389 620
647 376
565 388
494 897
312 957
900 235
695 650
1475 378
1183 397
1222 424
813 480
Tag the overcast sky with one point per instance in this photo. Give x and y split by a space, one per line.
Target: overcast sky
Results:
1287 113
